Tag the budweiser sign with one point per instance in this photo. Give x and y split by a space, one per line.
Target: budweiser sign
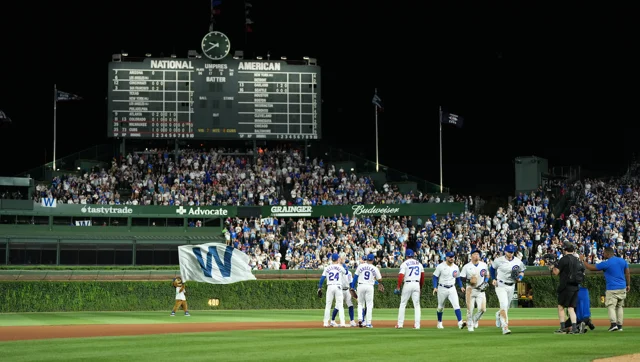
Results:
373 209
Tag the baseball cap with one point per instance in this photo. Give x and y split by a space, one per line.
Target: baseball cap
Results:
475 251
335 256
408 253
450 254
510 248
371 257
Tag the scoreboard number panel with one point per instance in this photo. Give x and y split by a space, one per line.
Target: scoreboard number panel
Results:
202 99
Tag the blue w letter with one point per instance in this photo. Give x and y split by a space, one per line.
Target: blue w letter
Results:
225 268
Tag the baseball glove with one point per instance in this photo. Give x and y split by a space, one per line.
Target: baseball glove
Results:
473 281
319 293
354 295
515 273
381 288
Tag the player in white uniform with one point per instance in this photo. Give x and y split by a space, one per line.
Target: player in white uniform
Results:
346 296
334 274
445 277
479 272
412 273
364 279
505 271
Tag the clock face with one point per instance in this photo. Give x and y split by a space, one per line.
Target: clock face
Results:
215 45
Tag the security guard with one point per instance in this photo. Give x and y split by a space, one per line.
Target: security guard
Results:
618 281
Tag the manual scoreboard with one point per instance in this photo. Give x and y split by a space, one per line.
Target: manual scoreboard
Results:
203 99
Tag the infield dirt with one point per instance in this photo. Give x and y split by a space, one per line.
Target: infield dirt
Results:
109 330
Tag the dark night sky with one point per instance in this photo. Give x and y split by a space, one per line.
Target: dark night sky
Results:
556 83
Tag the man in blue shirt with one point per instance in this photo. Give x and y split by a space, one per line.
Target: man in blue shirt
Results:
618 281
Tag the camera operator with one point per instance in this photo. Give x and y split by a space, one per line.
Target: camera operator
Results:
567 290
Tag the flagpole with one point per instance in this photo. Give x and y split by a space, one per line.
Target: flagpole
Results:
55 111
440 123
375 108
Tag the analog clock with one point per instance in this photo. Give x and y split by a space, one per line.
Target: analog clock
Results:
215 45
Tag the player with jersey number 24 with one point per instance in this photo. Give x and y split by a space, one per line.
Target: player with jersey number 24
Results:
334 274
412 274
505 272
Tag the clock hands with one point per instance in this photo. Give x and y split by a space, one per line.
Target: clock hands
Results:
213 45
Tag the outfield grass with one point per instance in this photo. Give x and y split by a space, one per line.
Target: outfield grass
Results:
377 344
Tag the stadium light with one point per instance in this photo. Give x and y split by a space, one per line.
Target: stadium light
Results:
259 57
283 58
148 55
173 56
124 54
116 57
239 54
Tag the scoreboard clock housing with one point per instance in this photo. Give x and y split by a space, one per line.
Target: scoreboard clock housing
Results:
202 99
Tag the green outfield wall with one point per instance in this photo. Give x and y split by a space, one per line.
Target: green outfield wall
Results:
45 296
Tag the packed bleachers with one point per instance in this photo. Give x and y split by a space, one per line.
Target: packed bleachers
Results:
605 214
217 177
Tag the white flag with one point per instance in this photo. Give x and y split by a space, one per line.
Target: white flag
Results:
214 263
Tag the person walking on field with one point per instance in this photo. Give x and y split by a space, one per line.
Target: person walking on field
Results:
567 268
618 281
412 274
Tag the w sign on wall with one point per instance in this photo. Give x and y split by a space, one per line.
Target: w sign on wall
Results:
49 202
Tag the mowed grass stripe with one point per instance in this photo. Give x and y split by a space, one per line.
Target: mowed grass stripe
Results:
525 344
79 318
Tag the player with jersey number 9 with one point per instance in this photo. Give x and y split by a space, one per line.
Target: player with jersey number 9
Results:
506 271
334 274
364 280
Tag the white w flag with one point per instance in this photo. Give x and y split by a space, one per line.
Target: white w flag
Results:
214 263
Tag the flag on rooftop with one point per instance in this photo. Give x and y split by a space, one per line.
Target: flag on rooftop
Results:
64 96
377 101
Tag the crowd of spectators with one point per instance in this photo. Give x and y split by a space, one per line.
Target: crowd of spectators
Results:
604 213
224 177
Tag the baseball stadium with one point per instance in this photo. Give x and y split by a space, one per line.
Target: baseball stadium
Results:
218 221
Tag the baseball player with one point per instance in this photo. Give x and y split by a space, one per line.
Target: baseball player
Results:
476 275
365 277
505 271
412 273
445 277
334 274
346 296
